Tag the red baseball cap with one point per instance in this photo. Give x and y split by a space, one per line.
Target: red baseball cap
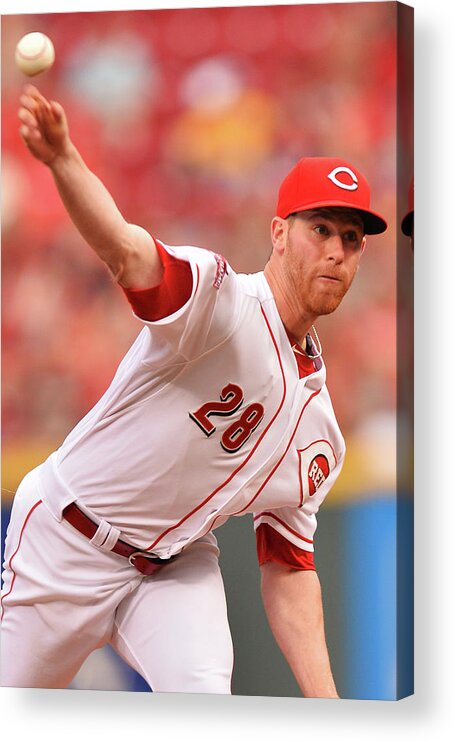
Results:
328 181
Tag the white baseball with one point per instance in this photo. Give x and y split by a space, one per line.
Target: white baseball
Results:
34 53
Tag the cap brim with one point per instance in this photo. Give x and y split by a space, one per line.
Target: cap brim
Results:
407 224
373 223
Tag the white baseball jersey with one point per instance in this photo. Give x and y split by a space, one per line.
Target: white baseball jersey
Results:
205 418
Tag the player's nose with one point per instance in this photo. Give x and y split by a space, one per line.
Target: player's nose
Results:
335 248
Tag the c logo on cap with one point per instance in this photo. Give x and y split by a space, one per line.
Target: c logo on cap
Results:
333 177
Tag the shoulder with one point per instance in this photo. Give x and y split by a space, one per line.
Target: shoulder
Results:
193 254
254 284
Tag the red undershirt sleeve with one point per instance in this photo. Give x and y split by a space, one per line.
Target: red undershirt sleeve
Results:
169 296
273 547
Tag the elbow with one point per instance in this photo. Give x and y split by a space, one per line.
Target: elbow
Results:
137 264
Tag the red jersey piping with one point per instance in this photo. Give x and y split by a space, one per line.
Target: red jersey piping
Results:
284 454
232 475
276 465
291 530
12 557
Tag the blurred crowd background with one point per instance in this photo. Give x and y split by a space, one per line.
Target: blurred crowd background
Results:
192 118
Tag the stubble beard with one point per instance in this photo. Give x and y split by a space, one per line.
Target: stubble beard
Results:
326 301
314 299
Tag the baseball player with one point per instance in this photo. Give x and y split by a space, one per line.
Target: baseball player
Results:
219 408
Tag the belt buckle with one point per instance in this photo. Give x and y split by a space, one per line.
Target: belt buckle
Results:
146 554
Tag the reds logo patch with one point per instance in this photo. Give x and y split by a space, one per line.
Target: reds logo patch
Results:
316 462
318 472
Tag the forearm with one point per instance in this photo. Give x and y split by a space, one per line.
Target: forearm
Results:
96 216
127 249
293 603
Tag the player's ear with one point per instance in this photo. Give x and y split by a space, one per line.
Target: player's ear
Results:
279 231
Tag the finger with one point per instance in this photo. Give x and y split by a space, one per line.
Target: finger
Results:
57 111
29 135
31 89
29 132
37 103
43 114
26 117
34 93
29 103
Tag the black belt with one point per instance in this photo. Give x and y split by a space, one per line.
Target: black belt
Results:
144 562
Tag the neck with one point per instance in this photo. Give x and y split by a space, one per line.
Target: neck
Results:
296 321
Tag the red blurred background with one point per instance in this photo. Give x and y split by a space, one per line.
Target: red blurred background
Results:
192 118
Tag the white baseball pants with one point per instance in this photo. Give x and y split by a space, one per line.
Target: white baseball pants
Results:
63 598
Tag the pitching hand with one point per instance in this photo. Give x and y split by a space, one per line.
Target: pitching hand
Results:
44 127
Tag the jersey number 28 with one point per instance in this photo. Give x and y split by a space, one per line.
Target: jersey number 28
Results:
237 434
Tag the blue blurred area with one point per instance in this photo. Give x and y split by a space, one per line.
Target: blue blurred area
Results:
6 510
378 616
405 595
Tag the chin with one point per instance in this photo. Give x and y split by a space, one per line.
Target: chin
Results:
326 307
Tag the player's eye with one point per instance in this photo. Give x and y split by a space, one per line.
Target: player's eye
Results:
321 229
352 236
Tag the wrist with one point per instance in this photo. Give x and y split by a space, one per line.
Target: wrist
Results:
60 159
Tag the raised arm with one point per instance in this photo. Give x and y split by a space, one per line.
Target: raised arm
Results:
293 603
128 250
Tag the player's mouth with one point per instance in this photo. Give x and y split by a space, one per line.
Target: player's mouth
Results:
330 279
